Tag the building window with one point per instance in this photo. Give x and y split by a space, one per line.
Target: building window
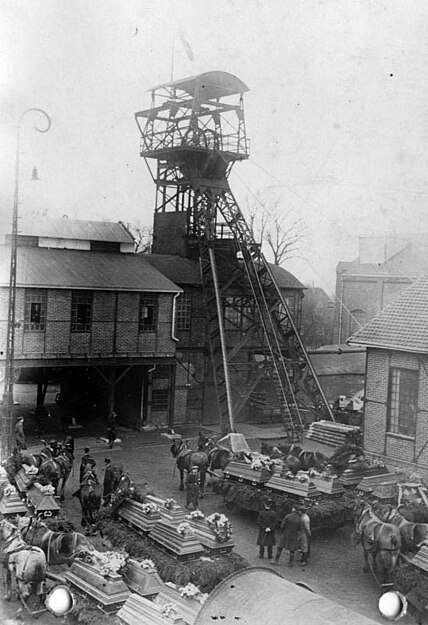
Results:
183 311
81 311
237 314
160 399
402 401
148 313
35 310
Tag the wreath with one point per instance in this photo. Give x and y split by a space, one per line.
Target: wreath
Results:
220 526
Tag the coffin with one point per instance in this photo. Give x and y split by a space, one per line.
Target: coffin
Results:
144 581
42 502
109 592
242 472
207 538
187 608
183 547
132 513
293 486
140 611
11 503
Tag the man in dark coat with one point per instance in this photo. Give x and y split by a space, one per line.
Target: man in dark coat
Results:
108 481
86 459
289 537
192 488
111 429
19 434
267 522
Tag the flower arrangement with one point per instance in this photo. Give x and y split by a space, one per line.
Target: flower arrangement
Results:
169 504
107 562
150 508
48 489
195 514
30 469
221 527
148 565
184 529
169 609
259 462
190 591
10 490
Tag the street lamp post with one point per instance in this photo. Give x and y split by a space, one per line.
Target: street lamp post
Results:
6 421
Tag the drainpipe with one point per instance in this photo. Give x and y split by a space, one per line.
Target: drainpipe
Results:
342 289
174 306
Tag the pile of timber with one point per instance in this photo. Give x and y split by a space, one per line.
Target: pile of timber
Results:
420 559
330 433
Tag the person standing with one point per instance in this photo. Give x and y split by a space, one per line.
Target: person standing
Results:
305 523
192 488
108 481
19 434
289 538
87 459
267 522
111 431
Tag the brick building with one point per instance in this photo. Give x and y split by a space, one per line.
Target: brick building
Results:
93 316
396 397
385 266
194 389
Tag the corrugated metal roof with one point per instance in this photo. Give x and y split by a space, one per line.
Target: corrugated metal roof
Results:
403 325
179 270
52 268
79 229
184 271
216 84
285 279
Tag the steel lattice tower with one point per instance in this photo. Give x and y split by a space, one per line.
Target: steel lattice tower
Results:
195 131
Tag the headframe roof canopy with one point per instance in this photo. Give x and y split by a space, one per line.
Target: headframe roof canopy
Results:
211 84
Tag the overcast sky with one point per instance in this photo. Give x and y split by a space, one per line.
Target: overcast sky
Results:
336 113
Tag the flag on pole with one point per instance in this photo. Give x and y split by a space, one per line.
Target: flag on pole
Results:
186 45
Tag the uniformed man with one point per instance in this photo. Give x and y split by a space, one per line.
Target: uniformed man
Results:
87 459
19 434
108 481
267 522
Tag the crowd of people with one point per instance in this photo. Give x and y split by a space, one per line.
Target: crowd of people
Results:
292 533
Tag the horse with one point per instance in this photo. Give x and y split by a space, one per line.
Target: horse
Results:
186 459
52 469
59 547
90 497
413 535
379 539
23 564
218 457
308 459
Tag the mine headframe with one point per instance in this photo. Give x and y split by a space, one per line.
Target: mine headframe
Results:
195 131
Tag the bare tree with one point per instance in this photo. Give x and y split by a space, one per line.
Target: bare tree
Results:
142 236
279 229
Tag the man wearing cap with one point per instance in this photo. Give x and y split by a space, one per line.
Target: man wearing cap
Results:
305 529
192 488
87 459
267 522
289 538
19 434
108 481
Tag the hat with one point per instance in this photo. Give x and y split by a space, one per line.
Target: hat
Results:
107 459
20 419
195 466
87 450
268 503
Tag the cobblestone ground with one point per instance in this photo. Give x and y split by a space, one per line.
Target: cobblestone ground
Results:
335 569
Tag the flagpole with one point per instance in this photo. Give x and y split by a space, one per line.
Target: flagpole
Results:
173 52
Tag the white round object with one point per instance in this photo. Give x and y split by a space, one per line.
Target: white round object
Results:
59 601
390 605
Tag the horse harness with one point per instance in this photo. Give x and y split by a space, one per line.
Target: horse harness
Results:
21 547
